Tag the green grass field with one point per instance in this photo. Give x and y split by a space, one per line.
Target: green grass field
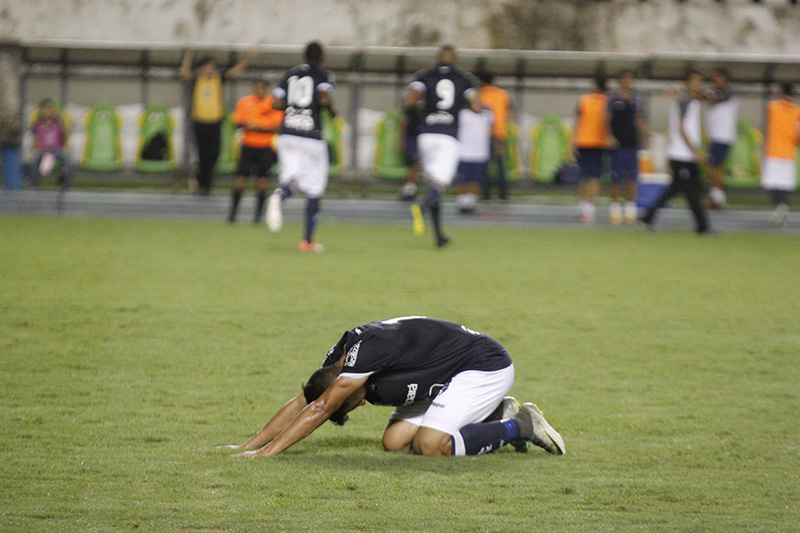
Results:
130 348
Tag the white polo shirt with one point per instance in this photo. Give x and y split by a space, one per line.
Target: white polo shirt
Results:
688 110
721 119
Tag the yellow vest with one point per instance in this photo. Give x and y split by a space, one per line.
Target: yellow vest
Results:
207 99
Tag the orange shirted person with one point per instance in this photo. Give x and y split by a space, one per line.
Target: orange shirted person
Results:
782 133
779 169
498 101
591 142
590 130
260 123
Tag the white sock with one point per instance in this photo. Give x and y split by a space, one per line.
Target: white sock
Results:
631 211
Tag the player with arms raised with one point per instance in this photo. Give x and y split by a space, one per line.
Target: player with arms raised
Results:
302 93
441 92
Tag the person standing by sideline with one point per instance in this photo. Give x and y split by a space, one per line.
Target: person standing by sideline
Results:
302 93
497 101
475 150
208 110
260 122
628 132
590 144
685 156
441 91
779 169
721 126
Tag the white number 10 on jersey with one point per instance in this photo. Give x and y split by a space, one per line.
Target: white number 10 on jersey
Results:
300 91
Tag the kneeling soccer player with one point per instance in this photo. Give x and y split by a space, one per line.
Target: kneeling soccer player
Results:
448 384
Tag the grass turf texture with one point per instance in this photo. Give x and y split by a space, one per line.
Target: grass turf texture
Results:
130 348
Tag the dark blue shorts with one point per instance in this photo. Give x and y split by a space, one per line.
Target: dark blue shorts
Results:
717 153
472 172
590 161
412 153
624 164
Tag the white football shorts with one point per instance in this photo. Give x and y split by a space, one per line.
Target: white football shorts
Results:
304 163
471 396
438 154
780 174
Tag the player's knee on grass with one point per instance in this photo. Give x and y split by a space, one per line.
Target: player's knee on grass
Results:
398 436
432 442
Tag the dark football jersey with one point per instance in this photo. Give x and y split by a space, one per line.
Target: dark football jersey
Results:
411 359
623 119
300 88
445 88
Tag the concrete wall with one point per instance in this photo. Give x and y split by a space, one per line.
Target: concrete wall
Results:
735 26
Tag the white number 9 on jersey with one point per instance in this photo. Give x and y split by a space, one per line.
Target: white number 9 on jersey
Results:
446 91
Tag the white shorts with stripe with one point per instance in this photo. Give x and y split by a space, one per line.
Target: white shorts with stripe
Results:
438 154
471 397
780 174
304 163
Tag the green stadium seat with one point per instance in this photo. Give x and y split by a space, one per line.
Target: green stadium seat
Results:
153 121
743 163
551 140
390 161
332 128
229 148
102 151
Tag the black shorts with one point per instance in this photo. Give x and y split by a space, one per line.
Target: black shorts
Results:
591 162
259 159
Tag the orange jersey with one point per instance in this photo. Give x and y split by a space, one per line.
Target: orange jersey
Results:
783 121
258 112
499 103
590 131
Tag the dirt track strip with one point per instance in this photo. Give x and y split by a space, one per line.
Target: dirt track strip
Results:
215 207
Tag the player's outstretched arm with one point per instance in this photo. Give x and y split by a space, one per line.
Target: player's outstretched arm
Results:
239 67
412 98
276 424
473 101
312 416
185 71
325 99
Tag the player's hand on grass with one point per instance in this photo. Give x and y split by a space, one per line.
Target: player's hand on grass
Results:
247 455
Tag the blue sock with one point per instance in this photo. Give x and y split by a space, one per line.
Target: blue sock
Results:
432 198
484 437
312 208
284 191
512 427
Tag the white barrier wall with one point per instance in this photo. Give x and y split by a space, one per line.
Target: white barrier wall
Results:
734 26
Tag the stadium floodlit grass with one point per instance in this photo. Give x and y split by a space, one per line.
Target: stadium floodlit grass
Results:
130 348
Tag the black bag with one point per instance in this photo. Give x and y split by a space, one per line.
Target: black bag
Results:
155 149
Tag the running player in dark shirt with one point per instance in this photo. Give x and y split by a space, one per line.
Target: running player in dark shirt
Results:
447 383
302 93
441 92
